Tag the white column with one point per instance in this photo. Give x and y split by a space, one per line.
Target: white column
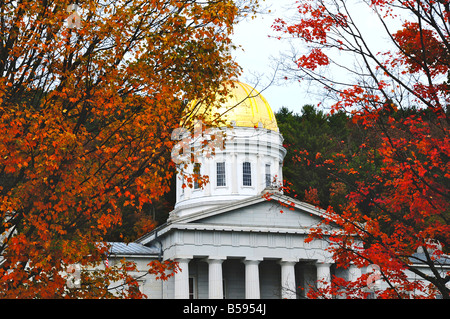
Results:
234 174
187 191
182 279
323 274
280 173
211 173
259 185
288 288
215 279
252 279
353 272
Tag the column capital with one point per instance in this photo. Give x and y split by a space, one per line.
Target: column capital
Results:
323 263
288 261
215 258
253 260
183 258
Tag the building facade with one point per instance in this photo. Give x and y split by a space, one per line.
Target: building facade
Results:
237 236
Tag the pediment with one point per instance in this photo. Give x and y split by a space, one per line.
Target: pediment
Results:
279 212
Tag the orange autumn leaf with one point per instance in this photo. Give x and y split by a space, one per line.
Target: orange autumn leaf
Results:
86 115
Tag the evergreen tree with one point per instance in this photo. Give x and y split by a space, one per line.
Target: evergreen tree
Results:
305 135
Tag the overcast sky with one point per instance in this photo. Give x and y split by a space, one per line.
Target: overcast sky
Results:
259 55
261 52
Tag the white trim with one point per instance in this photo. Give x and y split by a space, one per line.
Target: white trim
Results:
116 256
251 229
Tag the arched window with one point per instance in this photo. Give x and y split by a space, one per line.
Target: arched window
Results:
246 174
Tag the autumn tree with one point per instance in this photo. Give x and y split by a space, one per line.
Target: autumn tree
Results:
89 97
396 208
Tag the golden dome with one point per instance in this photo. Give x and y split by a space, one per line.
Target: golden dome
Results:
244 107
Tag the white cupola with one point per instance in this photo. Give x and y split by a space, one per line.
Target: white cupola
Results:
250 162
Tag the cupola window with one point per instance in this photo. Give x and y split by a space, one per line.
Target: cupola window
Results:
247 174
268 176
196 175
220 174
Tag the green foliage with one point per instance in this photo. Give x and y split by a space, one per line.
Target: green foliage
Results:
306 135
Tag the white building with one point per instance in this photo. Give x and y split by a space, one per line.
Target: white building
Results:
229 240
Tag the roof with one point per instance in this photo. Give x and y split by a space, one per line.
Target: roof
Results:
244 106
275 197
134 249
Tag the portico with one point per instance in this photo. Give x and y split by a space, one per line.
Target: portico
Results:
251 248
219 278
